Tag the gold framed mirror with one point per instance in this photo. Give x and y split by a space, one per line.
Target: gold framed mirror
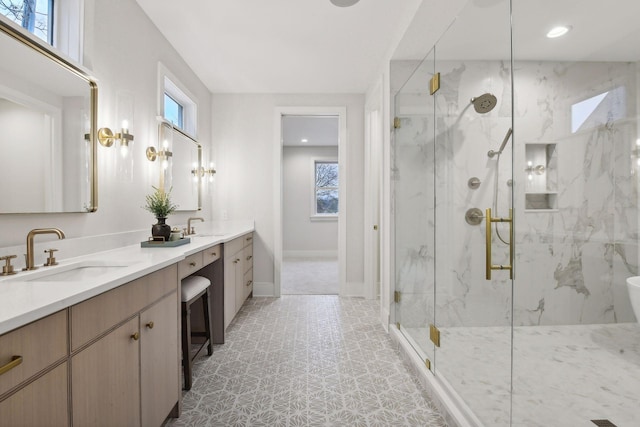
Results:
48 129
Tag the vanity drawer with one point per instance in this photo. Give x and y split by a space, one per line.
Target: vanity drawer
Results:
247 257
248 284
39 344
91 318
190 265
211 254
234 246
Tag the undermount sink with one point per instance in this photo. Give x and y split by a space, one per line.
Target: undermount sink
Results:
75 272
633 286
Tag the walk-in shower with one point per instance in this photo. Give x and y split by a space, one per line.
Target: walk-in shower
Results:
553 340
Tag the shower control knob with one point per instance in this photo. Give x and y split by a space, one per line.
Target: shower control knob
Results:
474 182
474 216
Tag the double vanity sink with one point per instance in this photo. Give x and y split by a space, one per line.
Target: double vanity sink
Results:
94 340
31 295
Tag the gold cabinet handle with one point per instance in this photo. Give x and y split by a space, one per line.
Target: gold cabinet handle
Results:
15 361
249 239
249 283
214 254
489 264
236 261
249 258
136 336
192 264
150 325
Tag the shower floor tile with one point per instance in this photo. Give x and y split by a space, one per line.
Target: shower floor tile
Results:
563 375
315 360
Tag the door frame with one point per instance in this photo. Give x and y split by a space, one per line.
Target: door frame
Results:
341 112
373 197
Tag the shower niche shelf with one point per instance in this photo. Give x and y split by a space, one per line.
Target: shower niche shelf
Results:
541 173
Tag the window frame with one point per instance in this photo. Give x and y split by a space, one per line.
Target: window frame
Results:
315 216
170 85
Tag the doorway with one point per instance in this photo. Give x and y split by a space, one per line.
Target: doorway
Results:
310 205
310 225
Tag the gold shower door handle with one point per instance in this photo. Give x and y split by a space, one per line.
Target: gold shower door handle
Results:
489 265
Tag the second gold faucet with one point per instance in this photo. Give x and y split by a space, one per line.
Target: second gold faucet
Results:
30 264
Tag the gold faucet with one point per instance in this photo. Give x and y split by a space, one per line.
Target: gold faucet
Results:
191 230
29 257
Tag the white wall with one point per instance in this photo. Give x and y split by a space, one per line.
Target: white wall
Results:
243 135
122 49
302 235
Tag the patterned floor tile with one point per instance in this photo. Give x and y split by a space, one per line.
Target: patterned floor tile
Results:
306 360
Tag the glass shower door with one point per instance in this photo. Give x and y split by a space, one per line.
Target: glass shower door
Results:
413 180
473 190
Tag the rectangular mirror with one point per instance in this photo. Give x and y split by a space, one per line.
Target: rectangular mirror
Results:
180 162
48 114
186 164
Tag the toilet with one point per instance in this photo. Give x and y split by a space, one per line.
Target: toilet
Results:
633 286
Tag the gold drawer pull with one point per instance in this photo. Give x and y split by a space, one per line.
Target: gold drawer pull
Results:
150 325
214 254
192 264
135 336
249 258
249 239
15 361
249 282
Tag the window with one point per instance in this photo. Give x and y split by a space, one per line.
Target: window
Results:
36 16
326 188
173 111
176 104
599 110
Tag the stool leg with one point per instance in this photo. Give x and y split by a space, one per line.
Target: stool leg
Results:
206 310
186 345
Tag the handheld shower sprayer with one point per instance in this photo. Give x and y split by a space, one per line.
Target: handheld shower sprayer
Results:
492 153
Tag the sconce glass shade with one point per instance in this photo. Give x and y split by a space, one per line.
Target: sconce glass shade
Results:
124 138
165 154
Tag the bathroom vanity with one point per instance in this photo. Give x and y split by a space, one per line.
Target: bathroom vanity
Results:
101 345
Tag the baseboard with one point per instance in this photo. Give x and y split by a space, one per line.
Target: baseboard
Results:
453 409
353 289
310 254
263 289
385 318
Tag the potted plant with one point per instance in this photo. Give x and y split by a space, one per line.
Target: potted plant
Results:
159 204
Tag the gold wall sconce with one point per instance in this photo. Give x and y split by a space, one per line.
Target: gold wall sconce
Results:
107 137
164 154
200 172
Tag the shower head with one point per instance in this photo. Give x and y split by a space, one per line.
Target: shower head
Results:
484 103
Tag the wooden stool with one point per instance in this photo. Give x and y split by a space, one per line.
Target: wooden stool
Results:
193 289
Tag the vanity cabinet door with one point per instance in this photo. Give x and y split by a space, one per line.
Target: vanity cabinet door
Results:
159 360
105 380
43 403
230 263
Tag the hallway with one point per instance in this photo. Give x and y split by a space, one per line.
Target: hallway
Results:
316 360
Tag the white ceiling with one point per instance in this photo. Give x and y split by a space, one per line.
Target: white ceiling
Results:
282 46
310 131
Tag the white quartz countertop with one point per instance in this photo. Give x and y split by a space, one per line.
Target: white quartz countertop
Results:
24 297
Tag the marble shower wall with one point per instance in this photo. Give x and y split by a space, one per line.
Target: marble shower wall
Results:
571 262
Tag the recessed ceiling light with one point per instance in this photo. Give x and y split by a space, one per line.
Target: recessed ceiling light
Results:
304 140
344 3
558 31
